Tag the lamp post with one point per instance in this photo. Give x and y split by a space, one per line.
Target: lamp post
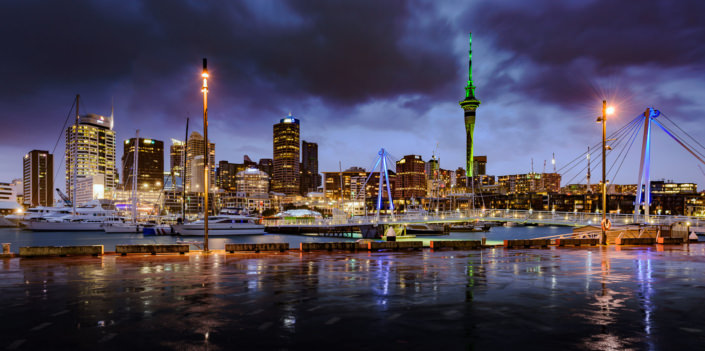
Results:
605 111
205 155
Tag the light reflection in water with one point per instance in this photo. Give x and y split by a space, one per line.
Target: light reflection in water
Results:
645 280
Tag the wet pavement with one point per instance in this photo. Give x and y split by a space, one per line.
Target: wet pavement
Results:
640 298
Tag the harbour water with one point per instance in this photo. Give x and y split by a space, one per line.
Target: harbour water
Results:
18 237
597 298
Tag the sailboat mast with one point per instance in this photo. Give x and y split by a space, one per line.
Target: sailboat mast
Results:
135 157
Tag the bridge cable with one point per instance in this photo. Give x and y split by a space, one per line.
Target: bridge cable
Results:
686 133
625 130
680 139
582 155
633 138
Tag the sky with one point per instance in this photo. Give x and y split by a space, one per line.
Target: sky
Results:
361 75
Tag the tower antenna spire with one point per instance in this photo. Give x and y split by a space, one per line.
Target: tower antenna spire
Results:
469 105
470 88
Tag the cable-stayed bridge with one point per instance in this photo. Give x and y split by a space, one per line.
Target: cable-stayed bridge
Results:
495 215
622 141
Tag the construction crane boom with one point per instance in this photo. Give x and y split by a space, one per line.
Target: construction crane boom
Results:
64 198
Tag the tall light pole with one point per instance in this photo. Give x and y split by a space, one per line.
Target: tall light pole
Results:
206 165
605 111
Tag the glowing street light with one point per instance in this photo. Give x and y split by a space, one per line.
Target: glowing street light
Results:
605 111
206 164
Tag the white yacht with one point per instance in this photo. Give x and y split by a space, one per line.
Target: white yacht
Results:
37 213
89 217
415 211
222 225
119 226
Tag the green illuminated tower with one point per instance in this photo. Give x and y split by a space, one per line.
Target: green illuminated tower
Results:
469 105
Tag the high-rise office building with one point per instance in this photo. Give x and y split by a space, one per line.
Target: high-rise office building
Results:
150 164
479 165
529 183
286 178
196 177
411 177
38 178
196 147
252 183
266 165
469 105
226 175
8 199
177 156
310 178
93 143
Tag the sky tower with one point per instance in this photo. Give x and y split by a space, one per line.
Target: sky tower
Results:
469 105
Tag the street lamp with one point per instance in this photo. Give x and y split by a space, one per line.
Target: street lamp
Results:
605 111
206 165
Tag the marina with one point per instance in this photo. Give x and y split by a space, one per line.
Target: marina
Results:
18 237
365 177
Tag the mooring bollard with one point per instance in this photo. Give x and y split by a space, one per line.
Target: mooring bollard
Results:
5 248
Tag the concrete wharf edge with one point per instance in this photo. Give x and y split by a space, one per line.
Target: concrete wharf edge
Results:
527 243
40 251
456 244
577 242
96 250
330 246
152 249
257 247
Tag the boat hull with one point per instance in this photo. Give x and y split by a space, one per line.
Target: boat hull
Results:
426 229
122 228
219 230
41 226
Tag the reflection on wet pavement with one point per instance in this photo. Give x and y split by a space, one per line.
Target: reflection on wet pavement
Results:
593 299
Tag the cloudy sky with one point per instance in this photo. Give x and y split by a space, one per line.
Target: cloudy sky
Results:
360 75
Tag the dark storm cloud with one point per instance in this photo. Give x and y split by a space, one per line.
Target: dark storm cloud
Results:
564 46
266 57
344 51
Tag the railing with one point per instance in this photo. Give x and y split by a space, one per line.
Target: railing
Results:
520 216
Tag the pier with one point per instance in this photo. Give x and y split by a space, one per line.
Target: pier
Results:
375 226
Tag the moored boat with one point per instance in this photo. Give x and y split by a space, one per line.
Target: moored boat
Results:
222 225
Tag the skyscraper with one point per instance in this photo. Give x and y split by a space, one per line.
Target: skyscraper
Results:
310 179
411 177
38 178
286 178
150 164
479 165
226 175
469 105
196 147
93 143
177 154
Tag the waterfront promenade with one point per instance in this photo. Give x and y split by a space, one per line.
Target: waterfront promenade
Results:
593 298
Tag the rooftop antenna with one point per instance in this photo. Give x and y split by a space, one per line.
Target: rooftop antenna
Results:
553 161
532 165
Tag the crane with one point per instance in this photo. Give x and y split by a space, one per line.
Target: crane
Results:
64 198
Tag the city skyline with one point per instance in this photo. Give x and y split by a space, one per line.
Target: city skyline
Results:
355 89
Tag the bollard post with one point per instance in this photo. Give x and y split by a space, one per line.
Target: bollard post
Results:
5 248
